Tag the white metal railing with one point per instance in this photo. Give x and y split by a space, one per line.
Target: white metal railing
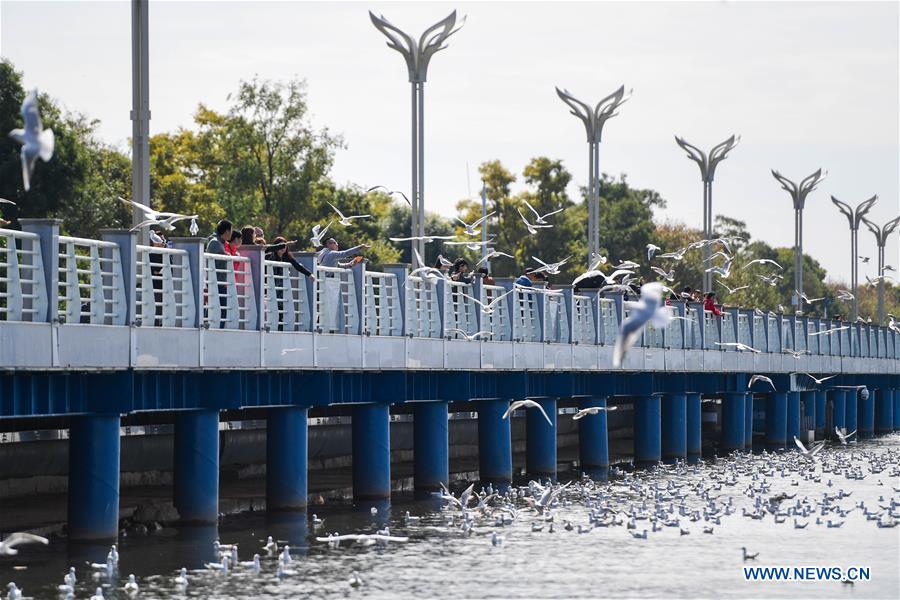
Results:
336 307
583 329
286 298
556 318
787 335
91 286
799 335
711 331
760 341
526 318
744 333
775 344
423 312
164 289
675 329
727 322
813 342
459 311
230 300
692 331
609 321
23 290
497 320
382 305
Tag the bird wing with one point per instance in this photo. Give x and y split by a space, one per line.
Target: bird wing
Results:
19 537
340 214
550 214
543 412
481 220
514 406
628 335
27 169
800 445
536 214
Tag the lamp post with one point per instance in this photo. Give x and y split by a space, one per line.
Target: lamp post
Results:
881 237
854 216
140 111
484 226
593 119
798 195
417 55
707 164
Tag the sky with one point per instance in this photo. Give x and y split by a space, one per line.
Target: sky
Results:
806 85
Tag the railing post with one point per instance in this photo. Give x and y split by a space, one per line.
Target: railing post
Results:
308 260
359 287
569 303
257 276
440 291
48 230
401 272
595 313
127 242
195 259
701 321
478 293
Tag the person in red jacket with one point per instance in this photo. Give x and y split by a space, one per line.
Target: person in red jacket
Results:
710 304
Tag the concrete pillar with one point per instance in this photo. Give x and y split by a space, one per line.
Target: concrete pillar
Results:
793 417
593 440
884 411
838 410
821 400
494 442
808 423
540 440
93 477
748 422
694 427
866 413
286 458
896 395
196 466
734 416
647 435
776 421
851 405
431 450
371 430
674 427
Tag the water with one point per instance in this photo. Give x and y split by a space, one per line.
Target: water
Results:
442 561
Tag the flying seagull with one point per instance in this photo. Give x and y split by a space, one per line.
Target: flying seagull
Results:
526 404
651 250
732 290
8 545
844 438
763 261
318 233
473 336
592 410
551 268
470 229
833 330
739 346
649 309
532 229
493 254
762 378
388 192
35 140
809 453
346 221
425 238
819 381
539 218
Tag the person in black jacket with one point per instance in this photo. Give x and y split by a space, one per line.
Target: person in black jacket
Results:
279 252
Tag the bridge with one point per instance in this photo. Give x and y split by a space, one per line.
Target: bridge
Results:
91 330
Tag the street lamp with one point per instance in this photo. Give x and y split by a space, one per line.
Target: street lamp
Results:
798 195
707 164
140 112
417 55
593 119
854 216
881 237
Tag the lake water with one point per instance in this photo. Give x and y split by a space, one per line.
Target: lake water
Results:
441 560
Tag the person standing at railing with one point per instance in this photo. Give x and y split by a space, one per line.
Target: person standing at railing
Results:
248 236
709 304
234 243
278 252
330 254
460 271
485 276
529 278
217 246
258 236
156 271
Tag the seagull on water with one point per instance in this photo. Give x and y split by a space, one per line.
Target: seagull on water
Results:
131 588
98 594
526 404
649 309
592 410
8 544
747 555
181 580
35 140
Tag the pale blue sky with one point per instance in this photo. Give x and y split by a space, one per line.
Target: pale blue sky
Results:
806 84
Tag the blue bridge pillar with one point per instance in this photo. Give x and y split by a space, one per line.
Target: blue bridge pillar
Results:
196 466
808 422
647 438
371 429
494 442
851 405
286 458
838 410
734 416
866 413
93 477
895 393
674 427
540 440
431 450
821 401
593 440
884 411
793 417
694 427
748 422
776 420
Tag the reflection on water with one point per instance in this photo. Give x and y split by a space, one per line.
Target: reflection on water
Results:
442 559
